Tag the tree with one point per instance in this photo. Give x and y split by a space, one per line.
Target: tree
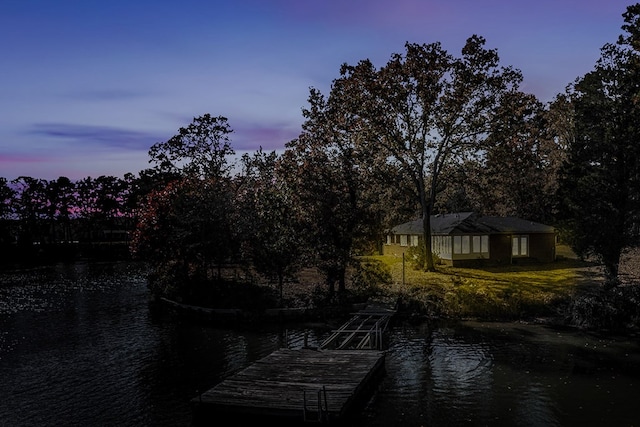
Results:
271 227
6 212
199 150
61 203
30 208
518 171
327 169
427 110
600 185
188 224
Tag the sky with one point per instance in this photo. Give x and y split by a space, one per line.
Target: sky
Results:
88 86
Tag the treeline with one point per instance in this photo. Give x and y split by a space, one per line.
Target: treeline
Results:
428 132
53 219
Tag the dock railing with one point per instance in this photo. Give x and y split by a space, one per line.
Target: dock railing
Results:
321 410
363 331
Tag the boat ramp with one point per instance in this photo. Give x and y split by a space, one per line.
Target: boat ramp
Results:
307 385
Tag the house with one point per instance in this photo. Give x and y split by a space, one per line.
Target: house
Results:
468 239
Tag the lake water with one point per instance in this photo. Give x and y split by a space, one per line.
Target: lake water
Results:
79 346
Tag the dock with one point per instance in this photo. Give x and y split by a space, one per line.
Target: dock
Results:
307 385
363 331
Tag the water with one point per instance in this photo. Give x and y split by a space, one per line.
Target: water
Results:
79 346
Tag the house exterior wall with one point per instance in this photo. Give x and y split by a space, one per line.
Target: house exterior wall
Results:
540 248
500 248
399 244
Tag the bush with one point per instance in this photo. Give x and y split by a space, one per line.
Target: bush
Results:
417 257
371 278
614 309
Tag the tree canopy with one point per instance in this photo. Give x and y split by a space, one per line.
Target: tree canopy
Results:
600 187
427 109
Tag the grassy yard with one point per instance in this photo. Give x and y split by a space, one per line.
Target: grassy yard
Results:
513 292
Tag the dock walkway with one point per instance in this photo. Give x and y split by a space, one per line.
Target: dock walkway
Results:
305 385
364 330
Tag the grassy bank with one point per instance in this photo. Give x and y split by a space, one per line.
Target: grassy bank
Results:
505 293
566 291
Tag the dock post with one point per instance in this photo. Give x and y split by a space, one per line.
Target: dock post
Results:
326 406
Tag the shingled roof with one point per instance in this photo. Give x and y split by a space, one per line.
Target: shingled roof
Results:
470 223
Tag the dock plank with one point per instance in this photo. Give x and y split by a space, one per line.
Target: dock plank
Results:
282 383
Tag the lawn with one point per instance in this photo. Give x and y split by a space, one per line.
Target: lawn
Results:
511 292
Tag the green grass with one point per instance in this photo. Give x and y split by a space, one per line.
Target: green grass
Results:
512 292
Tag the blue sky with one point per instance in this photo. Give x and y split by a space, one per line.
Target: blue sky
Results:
88 86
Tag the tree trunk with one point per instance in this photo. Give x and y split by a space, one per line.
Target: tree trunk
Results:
426 235
280 285
331 282
341 281
611 268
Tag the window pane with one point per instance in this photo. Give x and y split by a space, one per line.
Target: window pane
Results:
524 245
476 244
514 246
466 244
414 240
388 239
485 244
457 244
403 240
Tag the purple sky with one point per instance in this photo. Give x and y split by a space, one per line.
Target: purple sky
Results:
87 86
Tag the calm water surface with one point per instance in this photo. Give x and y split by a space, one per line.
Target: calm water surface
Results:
79 346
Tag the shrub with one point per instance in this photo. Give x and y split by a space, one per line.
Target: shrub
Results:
417 256
614 309
371 277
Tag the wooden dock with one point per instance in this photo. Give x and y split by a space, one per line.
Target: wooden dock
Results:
364 330
306 385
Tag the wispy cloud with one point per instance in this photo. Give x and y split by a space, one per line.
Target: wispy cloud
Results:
106 95
104 136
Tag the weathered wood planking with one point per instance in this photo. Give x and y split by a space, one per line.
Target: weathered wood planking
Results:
280 383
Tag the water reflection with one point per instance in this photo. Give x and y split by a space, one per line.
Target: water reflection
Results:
80 346
492 374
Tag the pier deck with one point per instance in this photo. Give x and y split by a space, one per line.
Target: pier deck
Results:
305 385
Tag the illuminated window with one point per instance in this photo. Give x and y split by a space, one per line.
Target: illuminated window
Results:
476 244
457 244
480 244
466 244
520 246
484 244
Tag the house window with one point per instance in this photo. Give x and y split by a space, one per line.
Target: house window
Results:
403 240
484 244
466 244
457 244
520 246
414 240
480 244
461 244
389 237
476 244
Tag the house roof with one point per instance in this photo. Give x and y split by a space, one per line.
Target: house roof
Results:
470 223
